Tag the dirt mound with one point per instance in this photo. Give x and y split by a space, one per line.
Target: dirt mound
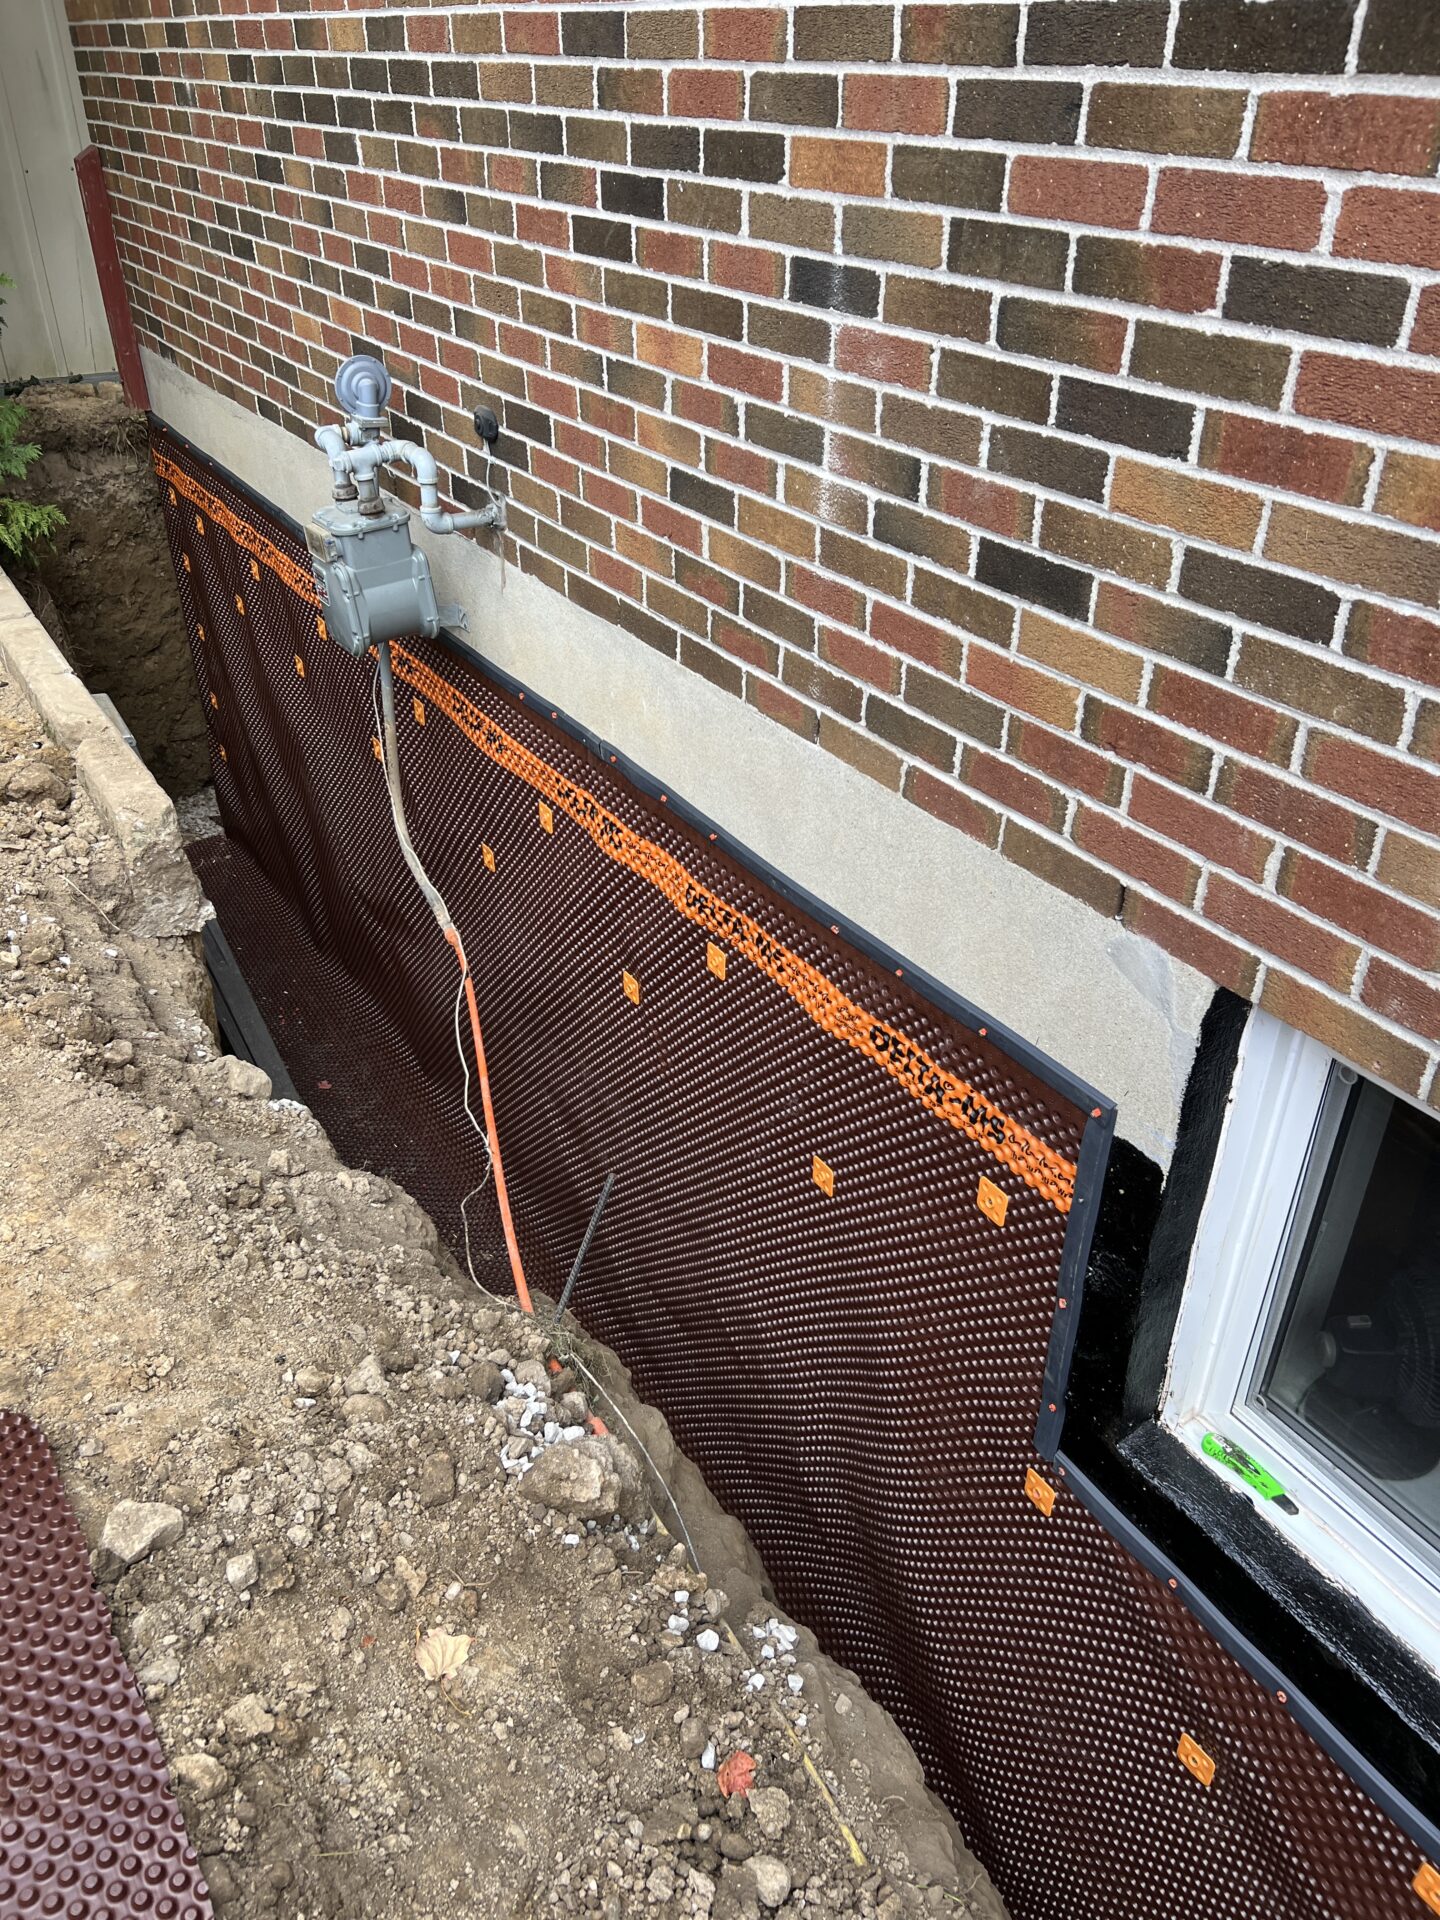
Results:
105 586
396 1594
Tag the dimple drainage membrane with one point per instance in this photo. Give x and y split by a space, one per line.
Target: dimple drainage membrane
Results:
89 1828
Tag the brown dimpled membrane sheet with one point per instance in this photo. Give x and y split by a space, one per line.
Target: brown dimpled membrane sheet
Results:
842 1252
89 1828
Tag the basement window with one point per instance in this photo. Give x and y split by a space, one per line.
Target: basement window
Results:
1306 1360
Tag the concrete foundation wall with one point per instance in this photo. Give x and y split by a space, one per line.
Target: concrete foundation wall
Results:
1106 1003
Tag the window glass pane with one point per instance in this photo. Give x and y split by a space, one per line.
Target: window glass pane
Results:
1352 1356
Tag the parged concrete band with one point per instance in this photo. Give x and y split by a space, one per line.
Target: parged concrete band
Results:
165 900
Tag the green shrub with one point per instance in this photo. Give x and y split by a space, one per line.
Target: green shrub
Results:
22 522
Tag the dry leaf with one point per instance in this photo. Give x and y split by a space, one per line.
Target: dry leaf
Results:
440 1654
737 1774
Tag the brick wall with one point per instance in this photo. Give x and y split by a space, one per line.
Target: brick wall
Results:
1036 405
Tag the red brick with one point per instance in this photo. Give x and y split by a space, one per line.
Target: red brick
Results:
706 93
1395 642
1199 947
1374 395
856 657
1015 789
981 503
1425 334
745 33
745 372
893 358
1367 132
1090 193
758 270
1203 828
1374 916
1402 997
954 807
895 103
1064 759
1181 278
1245 208
1390 223
1296 812
527 32
1278 456
776 704
1137 854
1137 738
918 640
1274 928
1387 782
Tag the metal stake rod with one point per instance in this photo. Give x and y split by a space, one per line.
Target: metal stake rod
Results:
569 1286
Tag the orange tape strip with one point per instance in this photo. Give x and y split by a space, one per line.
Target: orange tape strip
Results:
944 1093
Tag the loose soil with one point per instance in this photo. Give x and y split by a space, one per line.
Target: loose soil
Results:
105 585
203 1308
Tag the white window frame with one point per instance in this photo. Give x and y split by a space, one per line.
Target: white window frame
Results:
1279 1126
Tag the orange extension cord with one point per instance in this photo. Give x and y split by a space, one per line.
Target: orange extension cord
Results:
517 1270
389 744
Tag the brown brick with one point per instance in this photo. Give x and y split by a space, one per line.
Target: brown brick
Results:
917 739
788 98
660 36
892 233
914 423
1344 1030
948 177
1014 788
962 606
798 223
1410 490
1411 867
1371 133
874 465
1258 593
1138 739
1063 868
753 564
938 540
1402 997
826 689
936 306
974 34
1194 121
954 706
1386 782
1099 540
1207 706
699 203
1182 278
1167 497
1037 112
1002 250
1322 686
1091 193
1080 655
1370 556
1075 335
1136 854
1049 460
844 33
773 527
780 617
1295 812
949 804
1230 366
991 381
1373 915
864 561
1272 927
1394 642
1199 947
861 751
1204 829
1279 456
843 403
1017 684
